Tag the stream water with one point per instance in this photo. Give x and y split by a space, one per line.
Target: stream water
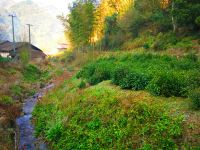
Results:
25 139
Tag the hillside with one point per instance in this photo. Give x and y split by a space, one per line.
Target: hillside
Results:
137 84
130 80
144 107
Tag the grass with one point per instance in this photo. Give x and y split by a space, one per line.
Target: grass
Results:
6 100
104 116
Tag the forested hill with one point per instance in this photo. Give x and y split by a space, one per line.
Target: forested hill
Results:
109 24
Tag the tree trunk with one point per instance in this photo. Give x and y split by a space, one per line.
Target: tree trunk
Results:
173 19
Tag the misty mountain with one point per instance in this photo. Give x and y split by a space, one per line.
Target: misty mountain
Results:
46 30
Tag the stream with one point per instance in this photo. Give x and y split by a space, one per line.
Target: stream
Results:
25 139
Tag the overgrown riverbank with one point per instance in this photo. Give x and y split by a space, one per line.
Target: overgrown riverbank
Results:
18 82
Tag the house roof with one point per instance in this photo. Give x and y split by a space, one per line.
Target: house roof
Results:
7 46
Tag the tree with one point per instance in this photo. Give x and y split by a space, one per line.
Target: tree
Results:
79 23
186 12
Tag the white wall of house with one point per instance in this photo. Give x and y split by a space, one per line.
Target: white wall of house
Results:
4 54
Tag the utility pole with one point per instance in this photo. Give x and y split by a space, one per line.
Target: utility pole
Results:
13 31
29 31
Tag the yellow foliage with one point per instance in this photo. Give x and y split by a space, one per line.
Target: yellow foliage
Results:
108 8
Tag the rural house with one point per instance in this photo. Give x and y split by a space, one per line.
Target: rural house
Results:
6 50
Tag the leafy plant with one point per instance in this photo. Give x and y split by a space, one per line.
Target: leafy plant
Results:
195 97
24 55
119 73
165 85
82 84
31 73
16 90
6 100
4 60
135 81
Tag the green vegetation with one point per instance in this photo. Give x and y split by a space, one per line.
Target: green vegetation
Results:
6 100
195 96
109 24
82 84
105 117
24 55
31 73
4 60
160 75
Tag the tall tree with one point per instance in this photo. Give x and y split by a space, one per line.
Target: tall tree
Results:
79 23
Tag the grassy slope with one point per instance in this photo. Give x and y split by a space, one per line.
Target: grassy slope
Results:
104 116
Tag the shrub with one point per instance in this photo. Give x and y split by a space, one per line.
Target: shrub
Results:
135 81
4 60
192 57
119 73
16 90
197 21
31 73
163 41
185 43
6 100
165 84
195 97
146 46
87 71
101 73
24 55
82 84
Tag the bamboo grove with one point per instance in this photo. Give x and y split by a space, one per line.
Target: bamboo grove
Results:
107 24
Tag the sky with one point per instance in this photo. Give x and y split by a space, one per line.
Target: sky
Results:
61 5
47 34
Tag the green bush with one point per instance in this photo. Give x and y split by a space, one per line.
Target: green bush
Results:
82 84
197 21
163 41
6 100
195 97
171 76
97 72
101 73
24 55
16 90
31 73
146 46
45 113
119 73
4 60
87 71
165 84
192 57
185 43
135 81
